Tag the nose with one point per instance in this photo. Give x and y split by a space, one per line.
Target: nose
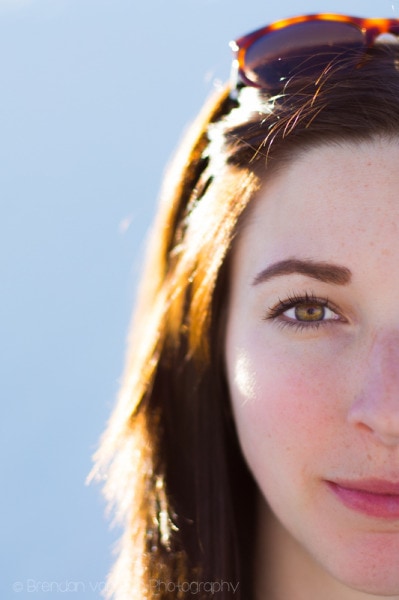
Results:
376 406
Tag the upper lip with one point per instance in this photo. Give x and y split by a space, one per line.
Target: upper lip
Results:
372 485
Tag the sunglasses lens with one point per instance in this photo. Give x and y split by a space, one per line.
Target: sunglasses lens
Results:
303 49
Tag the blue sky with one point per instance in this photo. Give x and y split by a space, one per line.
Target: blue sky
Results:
94 95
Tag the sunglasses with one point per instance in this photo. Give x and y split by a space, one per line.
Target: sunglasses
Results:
305 46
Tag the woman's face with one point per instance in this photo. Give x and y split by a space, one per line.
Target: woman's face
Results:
312 355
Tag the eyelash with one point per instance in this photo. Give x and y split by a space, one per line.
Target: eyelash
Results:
275 313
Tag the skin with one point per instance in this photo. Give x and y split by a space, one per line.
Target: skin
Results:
319 403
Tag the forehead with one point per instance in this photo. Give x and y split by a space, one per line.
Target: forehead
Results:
325 202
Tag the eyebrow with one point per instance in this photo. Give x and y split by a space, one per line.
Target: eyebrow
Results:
323 271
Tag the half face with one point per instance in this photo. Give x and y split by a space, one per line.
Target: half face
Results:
312 358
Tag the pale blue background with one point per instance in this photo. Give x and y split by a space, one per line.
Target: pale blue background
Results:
94 95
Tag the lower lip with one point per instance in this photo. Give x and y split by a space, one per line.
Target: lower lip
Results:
383 506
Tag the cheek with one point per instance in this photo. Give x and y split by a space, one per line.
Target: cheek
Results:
287 409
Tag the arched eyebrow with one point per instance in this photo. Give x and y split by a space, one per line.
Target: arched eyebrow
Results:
323 271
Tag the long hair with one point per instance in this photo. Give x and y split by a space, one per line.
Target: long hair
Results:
174 474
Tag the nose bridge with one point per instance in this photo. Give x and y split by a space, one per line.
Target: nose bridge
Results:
376 408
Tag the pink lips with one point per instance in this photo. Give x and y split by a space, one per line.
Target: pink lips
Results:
372 497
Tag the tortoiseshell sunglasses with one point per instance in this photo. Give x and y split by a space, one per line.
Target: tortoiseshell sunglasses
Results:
304 46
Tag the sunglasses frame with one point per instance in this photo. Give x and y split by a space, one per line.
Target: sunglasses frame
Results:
371 28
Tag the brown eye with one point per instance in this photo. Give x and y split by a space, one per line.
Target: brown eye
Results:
304 312
309 312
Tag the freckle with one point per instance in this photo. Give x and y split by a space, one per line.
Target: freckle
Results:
369 457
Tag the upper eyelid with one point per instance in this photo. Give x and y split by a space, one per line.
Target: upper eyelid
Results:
292 299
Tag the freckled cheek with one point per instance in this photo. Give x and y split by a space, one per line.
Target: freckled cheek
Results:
287 401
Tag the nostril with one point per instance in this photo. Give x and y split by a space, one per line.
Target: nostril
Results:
375 417
364 427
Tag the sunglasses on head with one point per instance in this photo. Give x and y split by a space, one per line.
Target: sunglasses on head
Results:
304 46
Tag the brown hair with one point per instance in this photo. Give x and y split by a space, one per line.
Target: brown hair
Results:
174 471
